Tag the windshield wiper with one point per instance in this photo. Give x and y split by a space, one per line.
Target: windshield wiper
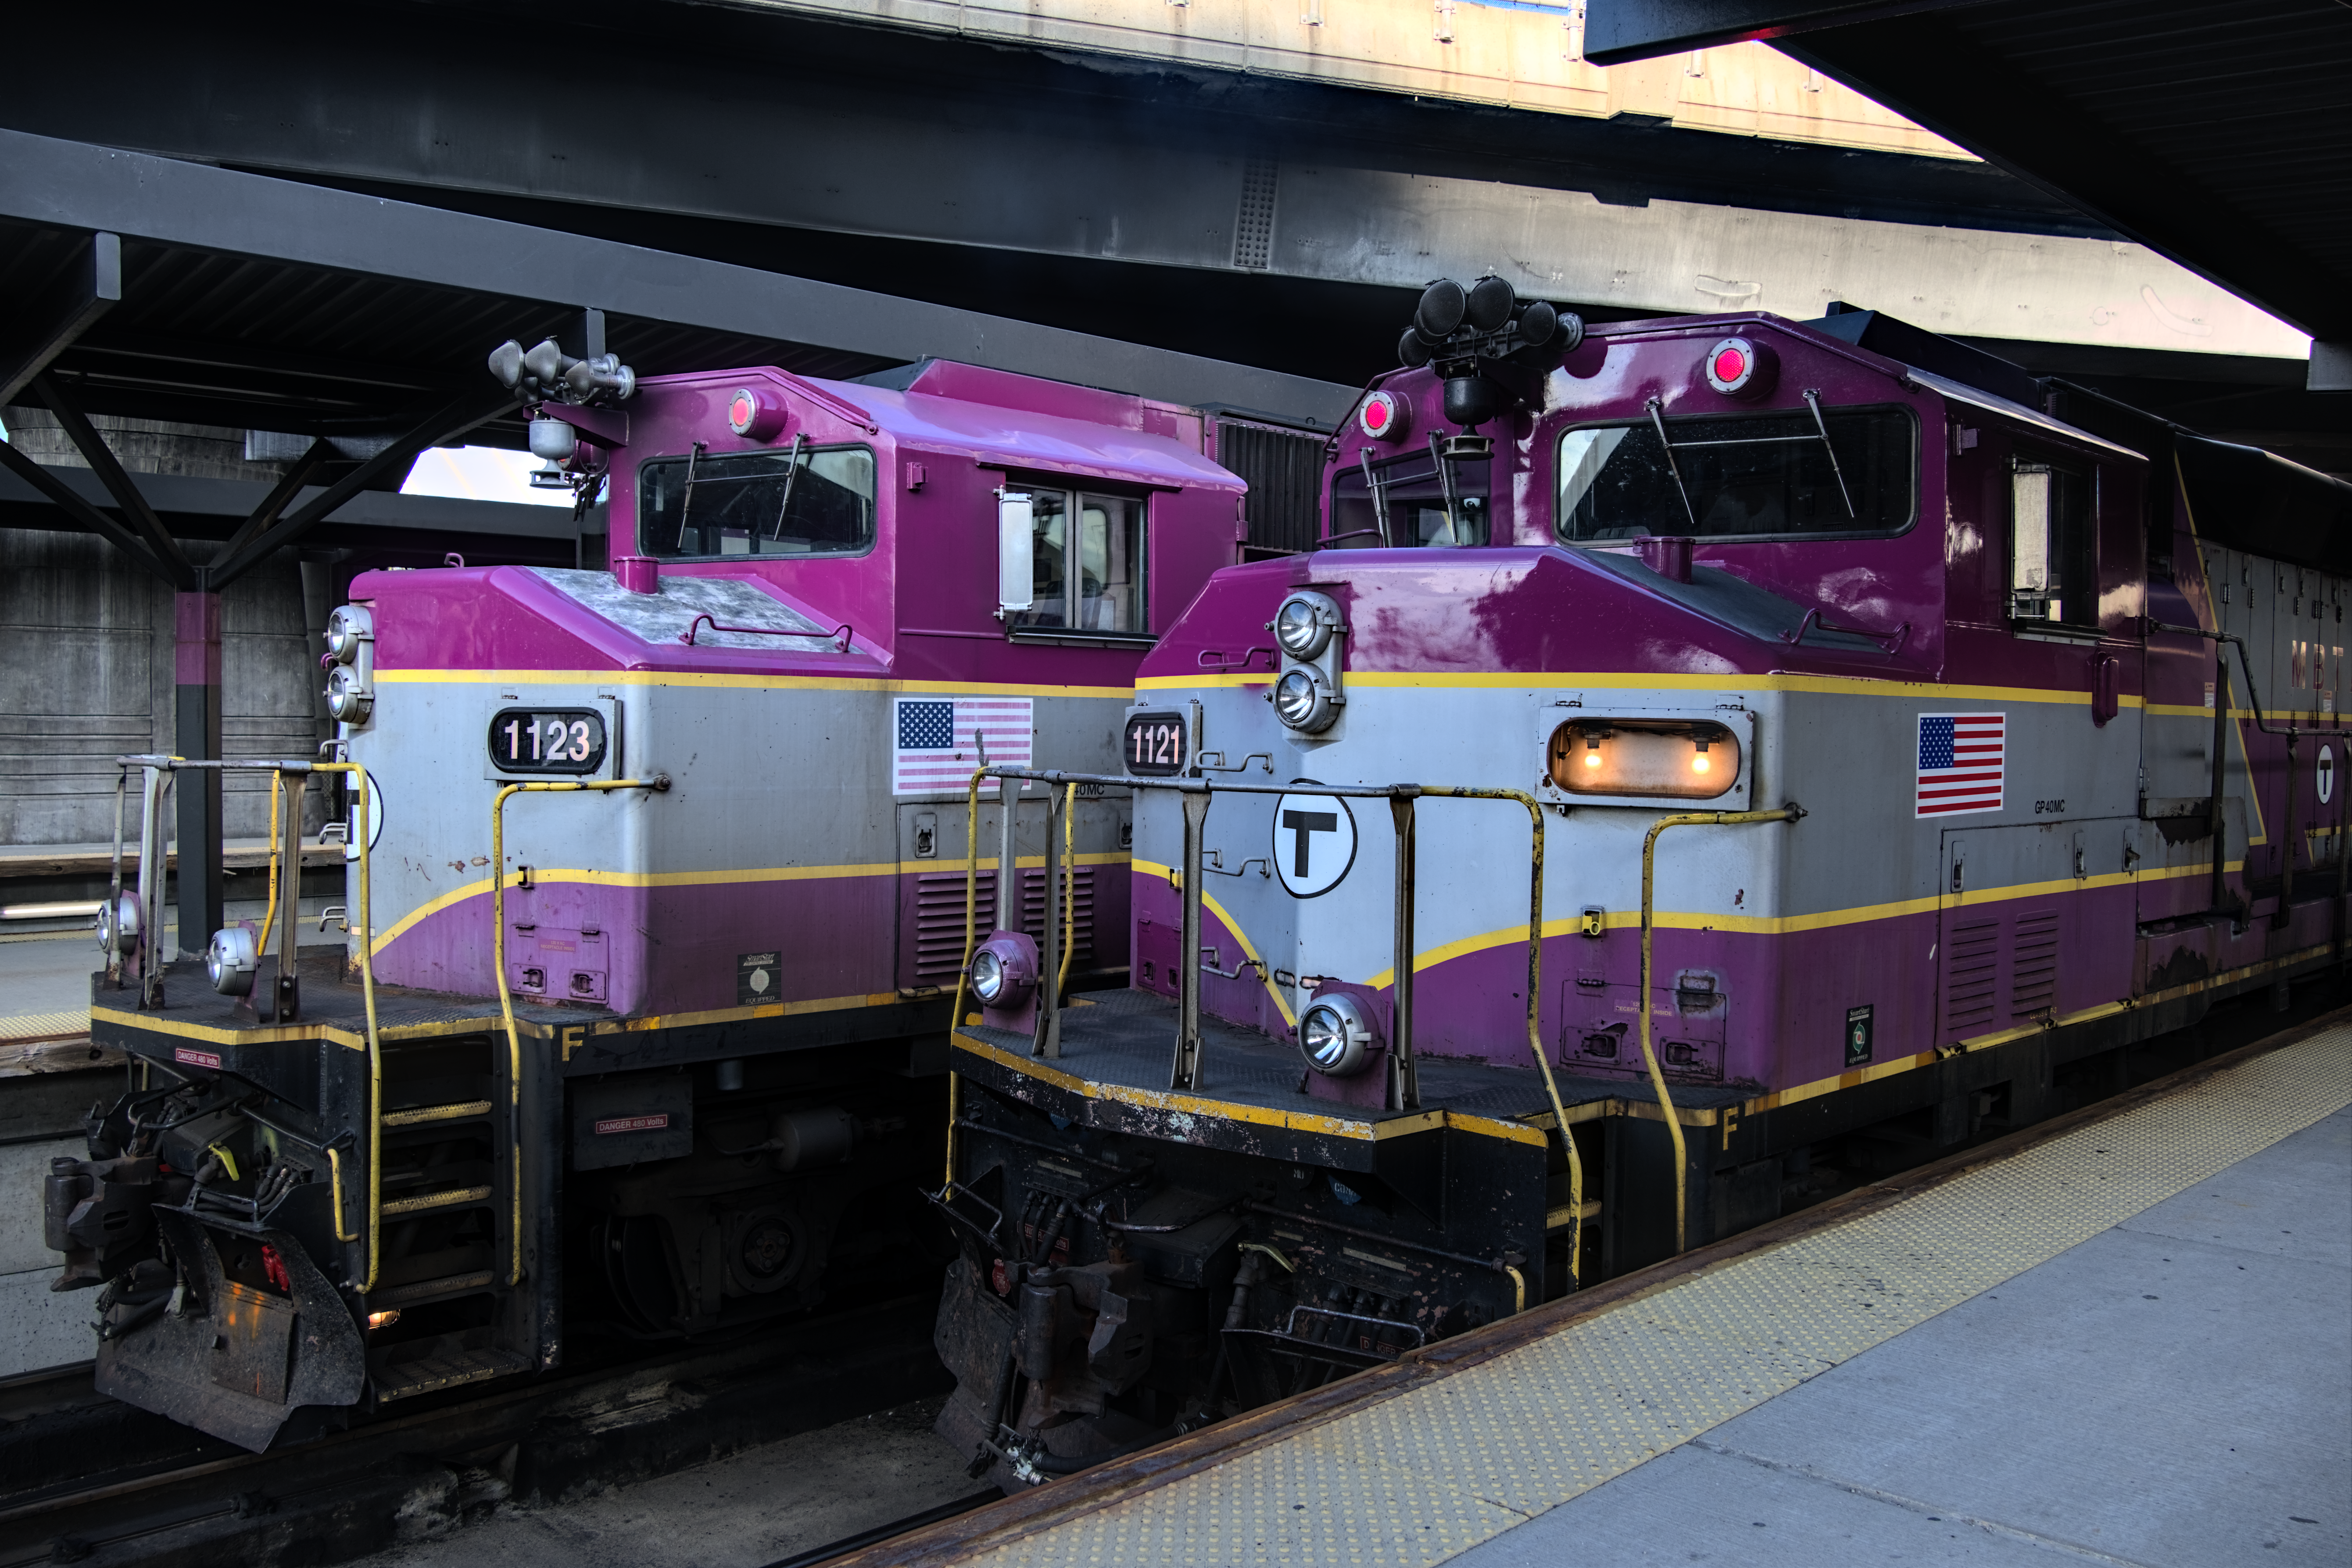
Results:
1379 488
791 472
1658 420
1813 402
685 502
1446 490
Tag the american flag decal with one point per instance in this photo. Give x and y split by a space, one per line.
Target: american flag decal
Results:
1962 760
937 741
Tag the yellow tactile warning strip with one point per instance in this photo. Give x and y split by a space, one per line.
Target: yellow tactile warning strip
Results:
1429 1472
45 1026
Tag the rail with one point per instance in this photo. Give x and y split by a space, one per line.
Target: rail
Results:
2292 735
659 783
1789 813
840 636
285 1000
1185 1073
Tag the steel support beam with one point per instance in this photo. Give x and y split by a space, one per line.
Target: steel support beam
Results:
60 495
1617 31
47 326
101 460
446 423
71 185
196 733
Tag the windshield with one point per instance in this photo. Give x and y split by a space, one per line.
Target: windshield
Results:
1403 501
806 500
1740 475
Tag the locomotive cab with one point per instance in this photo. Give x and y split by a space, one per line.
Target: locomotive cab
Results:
1692 744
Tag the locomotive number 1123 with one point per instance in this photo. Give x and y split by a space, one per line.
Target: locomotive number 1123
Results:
547 740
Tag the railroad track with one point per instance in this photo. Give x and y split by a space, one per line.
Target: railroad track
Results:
84 1480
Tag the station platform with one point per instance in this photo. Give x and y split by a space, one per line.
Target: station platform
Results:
2124 1337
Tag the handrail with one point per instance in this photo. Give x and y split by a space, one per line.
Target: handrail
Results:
963 969
840 635
1401 796
1789 813
659 783
1892 641
364 805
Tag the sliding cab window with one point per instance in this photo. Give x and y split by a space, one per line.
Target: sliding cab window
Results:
804 500
1816 472
1439 498
1072 561
2053 556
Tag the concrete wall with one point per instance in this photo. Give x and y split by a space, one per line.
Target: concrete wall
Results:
86 675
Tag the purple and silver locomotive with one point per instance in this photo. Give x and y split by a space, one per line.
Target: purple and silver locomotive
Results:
1704 762
656 891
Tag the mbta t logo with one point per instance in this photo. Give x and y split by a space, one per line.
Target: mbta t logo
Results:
1314 842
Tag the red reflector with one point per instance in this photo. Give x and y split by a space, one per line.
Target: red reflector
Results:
275 1267
1729 365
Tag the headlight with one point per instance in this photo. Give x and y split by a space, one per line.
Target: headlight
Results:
118 925
1004 973
347 628
1336 1036
229 961
1302 626
347 699
1303 700
988 977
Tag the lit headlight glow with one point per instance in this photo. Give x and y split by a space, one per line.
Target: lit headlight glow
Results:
1677 761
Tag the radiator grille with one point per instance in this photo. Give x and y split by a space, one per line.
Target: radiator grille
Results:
1283 472
1971 977
938 917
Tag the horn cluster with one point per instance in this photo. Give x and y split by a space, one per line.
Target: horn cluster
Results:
548 375
1462 331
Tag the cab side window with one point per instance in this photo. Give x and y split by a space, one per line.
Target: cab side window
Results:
1085 563
2053 556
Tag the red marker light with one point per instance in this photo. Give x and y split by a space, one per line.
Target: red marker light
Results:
1381 417
754 416
1737 367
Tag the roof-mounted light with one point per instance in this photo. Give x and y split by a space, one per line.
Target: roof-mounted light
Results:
1742 367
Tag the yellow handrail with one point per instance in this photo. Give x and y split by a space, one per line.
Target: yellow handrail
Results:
1069 890
1658 1077
269 911
955 1011
360 830
506 997
1535 1004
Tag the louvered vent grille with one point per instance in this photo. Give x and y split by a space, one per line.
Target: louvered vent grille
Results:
1971 978
2033 969
938 917
1283 472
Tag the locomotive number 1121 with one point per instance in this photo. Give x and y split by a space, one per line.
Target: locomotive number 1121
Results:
547 740
1154 745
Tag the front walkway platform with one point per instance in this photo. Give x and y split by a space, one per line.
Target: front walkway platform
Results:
2127 1340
